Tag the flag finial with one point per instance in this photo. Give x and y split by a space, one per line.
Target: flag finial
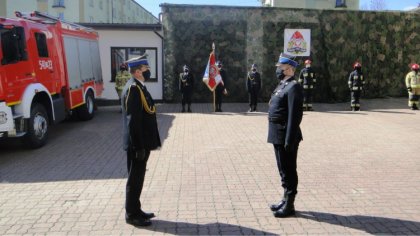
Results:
213 46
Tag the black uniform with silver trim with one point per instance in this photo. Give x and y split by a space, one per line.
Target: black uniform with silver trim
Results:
285 115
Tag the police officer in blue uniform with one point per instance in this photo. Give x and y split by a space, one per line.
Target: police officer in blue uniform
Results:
253 86
221 87
186 84
285 115
141 136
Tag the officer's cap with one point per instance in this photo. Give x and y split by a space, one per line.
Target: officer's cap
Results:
219 63
286 59
185 67
254 66
137 61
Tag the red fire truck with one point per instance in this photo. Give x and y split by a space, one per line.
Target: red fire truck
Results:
49 70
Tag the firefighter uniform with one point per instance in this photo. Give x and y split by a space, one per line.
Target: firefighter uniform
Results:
355 83
121 79
307 80
140 137
253 86
186 84
221 87
412 81
285 115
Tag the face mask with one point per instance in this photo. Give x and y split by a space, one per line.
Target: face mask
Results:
307 66
220 67
280 74
146 75
186 71
253 70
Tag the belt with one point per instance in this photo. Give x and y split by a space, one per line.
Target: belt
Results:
276 120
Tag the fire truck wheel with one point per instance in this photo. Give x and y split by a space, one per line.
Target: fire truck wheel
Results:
87 111
37 127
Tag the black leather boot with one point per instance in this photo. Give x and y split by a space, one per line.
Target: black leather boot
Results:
183 108
189 108
276 207
288 208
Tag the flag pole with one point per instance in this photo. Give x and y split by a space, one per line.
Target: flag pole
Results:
213 46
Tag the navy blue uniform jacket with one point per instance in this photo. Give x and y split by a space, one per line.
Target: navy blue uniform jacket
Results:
285 113
143 129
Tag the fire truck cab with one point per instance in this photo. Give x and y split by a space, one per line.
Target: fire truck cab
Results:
49 69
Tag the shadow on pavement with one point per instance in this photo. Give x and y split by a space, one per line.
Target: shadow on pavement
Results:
184 228
89 150
369 224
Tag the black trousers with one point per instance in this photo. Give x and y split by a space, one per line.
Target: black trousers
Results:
186 96
286 164
307 97
219 95
355 99
253 98
136 172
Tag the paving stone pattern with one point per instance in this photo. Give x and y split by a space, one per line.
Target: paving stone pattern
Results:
359 173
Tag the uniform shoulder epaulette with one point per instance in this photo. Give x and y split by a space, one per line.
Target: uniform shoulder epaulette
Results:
133 84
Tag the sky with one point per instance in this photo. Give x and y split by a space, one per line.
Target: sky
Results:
153 5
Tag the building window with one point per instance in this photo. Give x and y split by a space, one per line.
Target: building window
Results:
340 3
41 43
58 3
101 5
61 15
91 19
13 45
91 3
121 54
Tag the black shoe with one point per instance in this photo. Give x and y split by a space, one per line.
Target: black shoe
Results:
189 110
183 110
415 107
137 221
288 209
250 110
276 207
310 109
147 215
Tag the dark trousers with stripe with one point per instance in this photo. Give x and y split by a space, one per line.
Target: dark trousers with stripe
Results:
286 164
136 172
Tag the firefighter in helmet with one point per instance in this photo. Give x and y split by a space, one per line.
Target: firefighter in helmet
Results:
356 82
121 79
307 80
412 81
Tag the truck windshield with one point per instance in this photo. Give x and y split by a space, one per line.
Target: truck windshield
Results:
13 45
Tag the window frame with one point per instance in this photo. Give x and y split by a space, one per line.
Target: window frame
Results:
153 64
41 44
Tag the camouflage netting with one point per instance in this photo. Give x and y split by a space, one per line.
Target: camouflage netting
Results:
384 42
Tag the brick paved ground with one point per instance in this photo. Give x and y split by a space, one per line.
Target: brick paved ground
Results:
359 173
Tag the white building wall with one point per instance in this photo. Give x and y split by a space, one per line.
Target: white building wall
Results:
20 5
127 38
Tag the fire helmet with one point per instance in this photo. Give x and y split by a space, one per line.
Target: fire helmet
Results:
415 66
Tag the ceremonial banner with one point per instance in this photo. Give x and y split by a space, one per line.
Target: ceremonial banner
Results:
297 42
212 76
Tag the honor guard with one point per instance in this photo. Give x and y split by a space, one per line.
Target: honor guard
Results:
121 79
221 87
356 82
412 81
140 135
253 86
284 117
307 80
186 84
